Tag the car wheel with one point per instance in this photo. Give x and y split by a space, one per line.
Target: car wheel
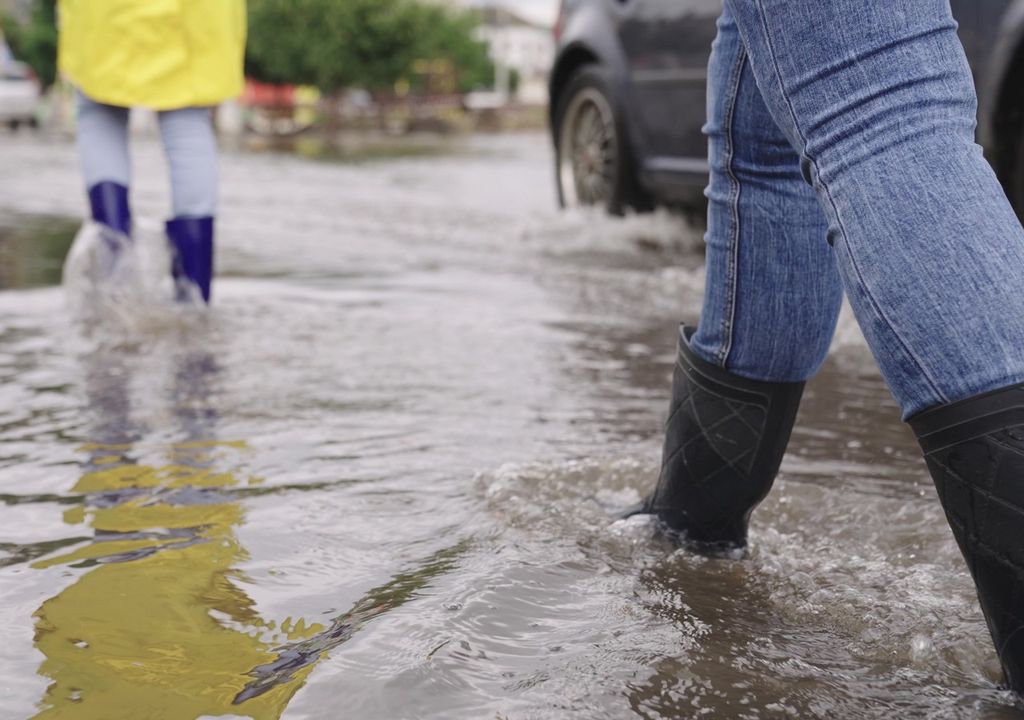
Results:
13 125
592 158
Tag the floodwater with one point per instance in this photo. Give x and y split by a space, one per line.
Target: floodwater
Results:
372 483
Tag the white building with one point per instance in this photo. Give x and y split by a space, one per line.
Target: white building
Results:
521 46
515 44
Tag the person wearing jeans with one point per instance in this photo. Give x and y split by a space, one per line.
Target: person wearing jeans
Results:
843 159
179 58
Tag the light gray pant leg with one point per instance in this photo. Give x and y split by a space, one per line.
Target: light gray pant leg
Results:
191 149
102 139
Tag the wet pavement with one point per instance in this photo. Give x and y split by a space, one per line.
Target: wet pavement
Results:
372 482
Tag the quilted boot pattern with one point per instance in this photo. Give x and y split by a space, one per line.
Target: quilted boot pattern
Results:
975 453
724 442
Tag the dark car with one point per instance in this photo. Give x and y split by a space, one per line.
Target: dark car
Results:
628 98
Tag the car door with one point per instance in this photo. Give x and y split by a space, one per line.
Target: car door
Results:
980 23
968 13
667 43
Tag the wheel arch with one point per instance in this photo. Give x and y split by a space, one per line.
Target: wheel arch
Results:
589 38
572 59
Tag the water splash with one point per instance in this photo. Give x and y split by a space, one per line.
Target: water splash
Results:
117 286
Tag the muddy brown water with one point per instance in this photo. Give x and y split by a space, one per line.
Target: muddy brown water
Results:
372 482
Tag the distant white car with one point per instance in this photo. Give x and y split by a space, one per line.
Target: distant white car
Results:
19 95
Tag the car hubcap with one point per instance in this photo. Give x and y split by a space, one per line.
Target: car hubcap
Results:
588 150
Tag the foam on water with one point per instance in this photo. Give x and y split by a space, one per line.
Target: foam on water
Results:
118 288
881 591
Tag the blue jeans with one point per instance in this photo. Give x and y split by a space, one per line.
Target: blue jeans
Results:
843 158
189 142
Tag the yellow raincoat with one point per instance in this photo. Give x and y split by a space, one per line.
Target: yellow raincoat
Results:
161 54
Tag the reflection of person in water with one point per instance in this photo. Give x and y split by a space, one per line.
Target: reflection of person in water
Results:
179 59
157 619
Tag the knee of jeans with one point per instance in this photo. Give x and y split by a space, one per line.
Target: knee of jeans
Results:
188 132
779 356
899 119
196 201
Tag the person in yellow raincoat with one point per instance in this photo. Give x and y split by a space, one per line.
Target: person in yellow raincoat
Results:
179 58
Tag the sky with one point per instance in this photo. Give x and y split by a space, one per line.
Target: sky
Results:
542 11
538 10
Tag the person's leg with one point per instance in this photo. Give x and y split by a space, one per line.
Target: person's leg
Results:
191 148
771 302
877 97
772 294
102 138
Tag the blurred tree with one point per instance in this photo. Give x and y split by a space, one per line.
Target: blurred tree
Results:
451 35
370 44
332 44
35 41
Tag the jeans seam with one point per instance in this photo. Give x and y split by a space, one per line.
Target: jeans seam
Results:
729 316
763 16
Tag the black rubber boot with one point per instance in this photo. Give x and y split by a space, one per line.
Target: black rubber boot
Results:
724 442
975 452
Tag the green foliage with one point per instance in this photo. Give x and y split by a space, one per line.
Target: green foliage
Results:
35 42
332 44
372 44
450 35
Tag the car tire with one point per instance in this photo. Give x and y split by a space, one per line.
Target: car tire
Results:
593 161
13 125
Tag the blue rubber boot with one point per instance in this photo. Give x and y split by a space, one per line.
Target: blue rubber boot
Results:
191 242
109 204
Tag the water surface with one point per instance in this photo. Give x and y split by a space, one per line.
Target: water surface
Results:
372 482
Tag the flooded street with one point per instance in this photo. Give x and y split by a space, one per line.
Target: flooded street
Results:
374 482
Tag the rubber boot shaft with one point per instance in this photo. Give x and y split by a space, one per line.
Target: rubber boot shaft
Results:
724 442
975 453
191 242
109 204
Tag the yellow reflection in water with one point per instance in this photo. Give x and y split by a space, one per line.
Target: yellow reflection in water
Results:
159 625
